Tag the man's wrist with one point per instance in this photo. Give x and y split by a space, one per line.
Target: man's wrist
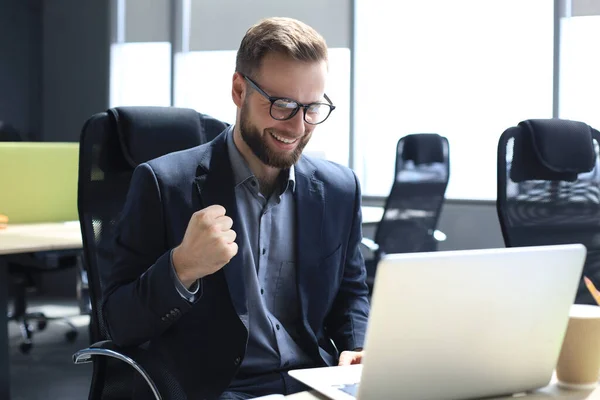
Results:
180 271
188 283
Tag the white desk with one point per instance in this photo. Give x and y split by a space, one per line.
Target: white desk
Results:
551 391
27 238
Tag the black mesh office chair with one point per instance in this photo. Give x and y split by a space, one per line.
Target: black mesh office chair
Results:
413 207
22 270
112 144
549 189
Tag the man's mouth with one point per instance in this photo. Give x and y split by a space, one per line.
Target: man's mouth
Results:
282 139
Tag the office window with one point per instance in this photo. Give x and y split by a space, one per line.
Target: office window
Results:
203 82
140 74
466 69
331 139
579 89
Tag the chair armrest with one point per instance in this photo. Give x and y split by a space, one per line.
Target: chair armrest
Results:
107 348
370 244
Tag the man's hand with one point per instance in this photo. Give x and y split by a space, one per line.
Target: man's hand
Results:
350 357
207 246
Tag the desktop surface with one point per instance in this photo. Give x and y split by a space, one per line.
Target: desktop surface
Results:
27 238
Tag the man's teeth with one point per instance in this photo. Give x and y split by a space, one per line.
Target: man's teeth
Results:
282 139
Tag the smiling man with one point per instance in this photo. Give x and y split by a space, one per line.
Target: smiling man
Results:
239 260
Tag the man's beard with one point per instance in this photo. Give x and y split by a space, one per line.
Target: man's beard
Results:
261 149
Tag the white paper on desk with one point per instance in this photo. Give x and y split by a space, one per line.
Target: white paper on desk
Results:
270 397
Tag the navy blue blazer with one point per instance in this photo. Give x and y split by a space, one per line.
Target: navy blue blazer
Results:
204 343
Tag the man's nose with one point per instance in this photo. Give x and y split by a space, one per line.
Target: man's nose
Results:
296 123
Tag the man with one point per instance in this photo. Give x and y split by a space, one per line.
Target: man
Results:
239 260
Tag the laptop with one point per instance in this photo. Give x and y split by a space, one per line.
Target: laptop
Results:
460 325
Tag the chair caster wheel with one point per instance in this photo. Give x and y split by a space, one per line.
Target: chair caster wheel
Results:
25 347
41 325
71 336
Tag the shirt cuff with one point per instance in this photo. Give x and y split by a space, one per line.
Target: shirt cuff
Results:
187 294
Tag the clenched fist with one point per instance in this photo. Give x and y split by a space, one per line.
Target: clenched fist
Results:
208 244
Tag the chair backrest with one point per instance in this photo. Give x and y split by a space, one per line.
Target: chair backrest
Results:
112 144
38 181
414 204
549 188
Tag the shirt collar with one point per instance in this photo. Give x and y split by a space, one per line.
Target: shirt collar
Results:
241 170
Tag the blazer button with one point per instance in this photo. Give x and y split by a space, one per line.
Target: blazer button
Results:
237 361
164 319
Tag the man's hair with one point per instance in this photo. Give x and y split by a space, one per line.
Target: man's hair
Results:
285 36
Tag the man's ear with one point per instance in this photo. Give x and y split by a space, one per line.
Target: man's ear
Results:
238 89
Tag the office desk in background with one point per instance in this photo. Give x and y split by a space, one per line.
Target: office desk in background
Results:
27 238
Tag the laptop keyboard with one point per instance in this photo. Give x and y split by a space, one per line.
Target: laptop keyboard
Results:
350 388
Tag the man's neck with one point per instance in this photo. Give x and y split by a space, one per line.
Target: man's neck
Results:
267 188
267 176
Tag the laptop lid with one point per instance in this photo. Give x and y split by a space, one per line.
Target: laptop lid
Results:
470 323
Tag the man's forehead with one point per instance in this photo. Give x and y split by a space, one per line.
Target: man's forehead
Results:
274 61
295 77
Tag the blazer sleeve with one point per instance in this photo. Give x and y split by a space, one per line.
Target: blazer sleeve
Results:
140 299
347 320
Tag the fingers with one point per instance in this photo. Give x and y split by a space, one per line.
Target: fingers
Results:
345 358
350 358
227 253
214 216
224 223
229 236
212 212
233 249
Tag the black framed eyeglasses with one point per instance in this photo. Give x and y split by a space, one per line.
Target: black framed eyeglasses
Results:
283 108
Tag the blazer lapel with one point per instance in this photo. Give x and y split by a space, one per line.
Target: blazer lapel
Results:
310 203
214 181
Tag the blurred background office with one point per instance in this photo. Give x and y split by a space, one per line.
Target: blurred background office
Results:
465 69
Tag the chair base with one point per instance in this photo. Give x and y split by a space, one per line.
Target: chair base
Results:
23 283
27 329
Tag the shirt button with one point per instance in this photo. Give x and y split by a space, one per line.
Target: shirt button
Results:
277 326
264 251
236 361
262 291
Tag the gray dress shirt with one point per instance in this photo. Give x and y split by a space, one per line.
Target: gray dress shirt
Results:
268 227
